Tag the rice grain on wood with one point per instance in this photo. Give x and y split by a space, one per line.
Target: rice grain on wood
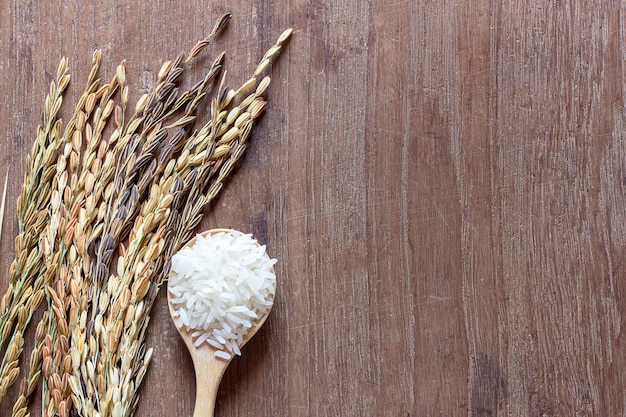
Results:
219 286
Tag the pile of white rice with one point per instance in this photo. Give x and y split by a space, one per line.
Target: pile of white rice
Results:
219 287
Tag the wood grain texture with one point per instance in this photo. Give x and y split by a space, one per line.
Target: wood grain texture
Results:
443 184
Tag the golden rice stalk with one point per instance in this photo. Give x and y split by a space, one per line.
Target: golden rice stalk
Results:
29 383
17 307
82 170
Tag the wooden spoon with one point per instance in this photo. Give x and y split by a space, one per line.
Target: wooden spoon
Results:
209 368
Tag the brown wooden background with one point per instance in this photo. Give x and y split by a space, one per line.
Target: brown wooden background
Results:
442 183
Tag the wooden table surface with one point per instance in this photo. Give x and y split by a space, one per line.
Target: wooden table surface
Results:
443 184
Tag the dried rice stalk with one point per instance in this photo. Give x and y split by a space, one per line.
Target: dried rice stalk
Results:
25 290
82 169
4 200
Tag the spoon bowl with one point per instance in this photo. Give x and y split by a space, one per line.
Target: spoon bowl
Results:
209 368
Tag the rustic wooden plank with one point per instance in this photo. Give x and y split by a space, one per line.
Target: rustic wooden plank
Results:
442 183
561 322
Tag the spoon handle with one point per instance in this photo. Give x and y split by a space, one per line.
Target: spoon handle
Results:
209 372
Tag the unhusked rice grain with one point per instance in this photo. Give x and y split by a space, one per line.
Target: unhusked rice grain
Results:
219 286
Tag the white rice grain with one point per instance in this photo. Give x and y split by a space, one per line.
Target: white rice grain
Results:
219 286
